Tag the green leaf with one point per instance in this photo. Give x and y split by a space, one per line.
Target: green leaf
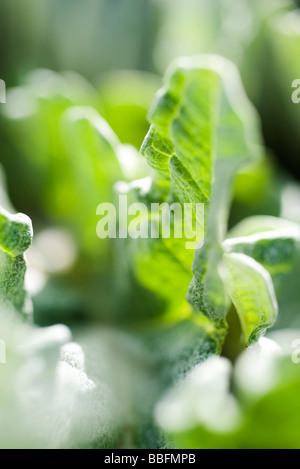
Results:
161 265
252 292
207 291
15 239
275 251
201 398
179 346
201 115
203 130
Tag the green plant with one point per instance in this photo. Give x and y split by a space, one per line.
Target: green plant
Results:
159 346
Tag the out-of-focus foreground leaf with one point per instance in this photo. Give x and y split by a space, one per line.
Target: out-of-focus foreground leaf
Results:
259 410
67 186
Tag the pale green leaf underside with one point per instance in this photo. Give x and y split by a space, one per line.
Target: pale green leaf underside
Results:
15 239
251 290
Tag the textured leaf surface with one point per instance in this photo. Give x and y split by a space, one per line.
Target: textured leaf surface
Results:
275 244
15 239
203 130
251 290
